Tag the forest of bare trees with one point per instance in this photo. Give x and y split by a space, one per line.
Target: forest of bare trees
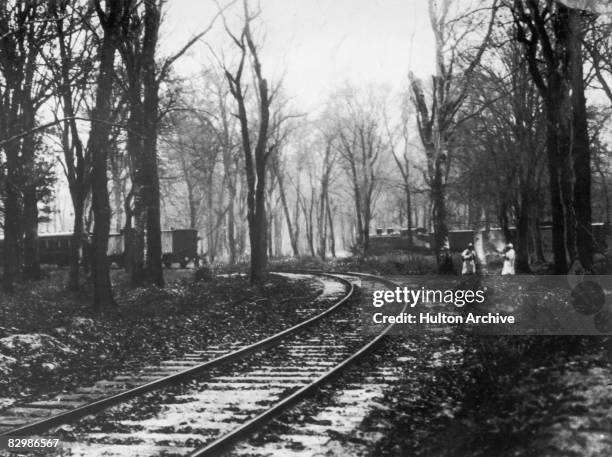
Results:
511 130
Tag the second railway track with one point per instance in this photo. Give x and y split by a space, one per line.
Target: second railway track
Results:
228 399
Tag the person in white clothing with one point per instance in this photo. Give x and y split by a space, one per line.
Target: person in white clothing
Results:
509 257
469 260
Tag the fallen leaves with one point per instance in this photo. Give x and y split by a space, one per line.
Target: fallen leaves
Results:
52 342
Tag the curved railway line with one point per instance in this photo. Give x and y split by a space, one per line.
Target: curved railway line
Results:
230 395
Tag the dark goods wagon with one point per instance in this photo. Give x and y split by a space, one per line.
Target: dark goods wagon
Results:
458 240
54 248
179 246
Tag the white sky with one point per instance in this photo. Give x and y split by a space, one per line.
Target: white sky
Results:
317 44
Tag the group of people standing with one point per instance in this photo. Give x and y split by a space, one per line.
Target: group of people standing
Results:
468 257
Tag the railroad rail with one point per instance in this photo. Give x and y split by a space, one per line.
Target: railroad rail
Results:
236 392
228 440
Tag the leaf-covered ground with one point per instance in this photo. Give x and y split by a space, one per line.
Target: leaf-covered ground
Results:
52 341
502 396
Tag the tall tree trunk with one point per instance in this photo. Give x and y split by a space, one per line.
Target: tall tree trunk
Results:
116 170
271 231
150 80
503 220
296 222
290 226
78 203
322 220
358 204
193 205
12 230
605 192
258 235
343 233
580 150
129 244
330 220
537 236
154 247
438 211
556 202
98 145
74 156
31 259
523 222
563 93
309 226
367 218
210 222
255 157
278 236
231 235
408 211
134 238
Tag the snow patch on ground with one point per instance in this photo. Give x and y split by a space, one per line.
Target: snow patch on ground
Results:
5 402
583 425
331 287
6 365
31 343
232 275
82 322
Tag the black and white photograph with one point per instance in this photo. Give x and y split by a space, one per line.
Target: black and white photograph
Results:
306 228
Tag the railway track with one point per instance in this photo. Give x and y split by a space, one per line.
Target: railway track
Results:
231 395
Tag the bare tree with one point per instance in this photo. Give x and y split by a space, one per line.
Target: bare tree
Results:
231 162
552 36
437 120
256 152
279 173
323 216
403 161
110 18
360 144
138 48
23 90
71 72
506 134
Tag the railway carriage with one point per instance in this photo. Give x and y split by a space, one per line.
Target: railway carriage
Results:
54 248
178 246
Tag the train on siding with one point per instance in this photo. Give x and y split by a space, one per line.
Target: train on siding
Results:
488 240
178 246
